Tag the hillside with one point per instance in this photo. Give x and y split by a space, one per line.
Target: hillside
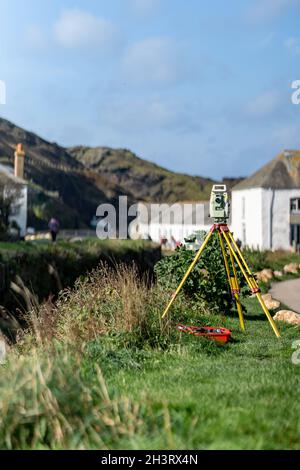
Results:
143 179
58 184
71 182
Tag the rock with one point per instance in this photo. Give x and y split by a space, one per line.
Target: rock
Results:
265 275
268 273
278 273
291 268
288 316
261 277
271 303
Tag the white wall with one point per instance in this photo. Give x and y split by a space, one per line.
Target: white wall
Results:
246 224
21 215
178 231
265 218
167 221
281 217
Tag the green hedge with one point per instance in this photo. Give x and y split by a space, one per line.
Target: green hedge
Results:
31 261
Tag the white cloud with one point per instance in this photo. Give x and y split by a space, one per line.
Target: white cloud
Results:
293 45
268 10
264 105
77 28
145 7
153 60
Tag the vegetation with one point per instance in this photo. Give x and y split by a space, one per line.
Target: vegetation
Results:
99 369
208 282
141 179
275 260
46 268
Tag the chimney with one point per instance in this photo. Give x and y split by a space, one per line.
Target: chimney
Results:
19 162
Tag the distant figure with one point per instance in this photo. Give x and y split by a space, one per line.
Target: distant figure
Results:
54 228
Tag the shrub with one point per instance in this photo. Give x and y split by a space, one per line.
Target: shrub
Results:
257 260
207 282
106 302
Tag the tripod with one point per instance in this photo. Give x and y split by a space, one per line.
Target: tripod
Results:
235 254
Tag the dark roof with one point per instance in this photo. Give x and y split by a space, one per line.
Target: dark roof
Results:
283 172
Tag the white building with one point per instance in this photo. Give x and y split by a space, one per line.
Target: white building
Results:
172 222
266 206
16 175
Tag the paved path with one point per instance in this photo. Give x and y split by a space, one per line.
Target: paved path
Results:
288 292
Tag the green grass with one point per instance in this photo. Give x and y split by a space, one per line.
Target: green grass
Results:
99 371
275 260
87 243
243 395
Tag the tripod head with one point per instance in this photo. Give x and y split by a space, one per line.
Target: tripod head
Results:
219 204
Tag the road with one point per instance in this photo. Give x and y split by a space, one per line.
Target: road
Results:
287 292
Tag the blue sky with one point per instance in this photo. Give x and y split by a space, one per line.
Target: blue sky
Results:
202 87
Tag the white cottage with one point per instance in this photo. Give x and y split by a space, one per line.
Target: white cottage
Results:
266 206
16 175
170 222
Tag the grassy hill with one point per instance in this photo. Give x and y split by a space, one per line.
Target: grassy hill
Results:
144 180
71 183
58 184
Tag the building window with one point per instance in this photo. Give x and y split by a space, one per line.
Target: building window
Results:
295 235
244 234
243 207
295 205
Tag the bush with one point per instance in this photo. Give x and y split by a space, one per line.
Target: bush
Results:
107 302
45 268
207 282
257 260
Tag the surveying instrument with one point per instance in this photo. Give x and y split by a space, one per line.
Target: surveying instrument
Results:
219 212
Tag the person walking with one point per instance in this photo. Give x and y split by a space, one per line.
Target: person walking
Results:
54 228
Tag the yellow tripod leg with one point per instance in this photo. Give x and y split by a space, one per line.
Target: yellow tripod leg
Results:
251 282
256 286
237 293
199 253
240 254
225 259
232 282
